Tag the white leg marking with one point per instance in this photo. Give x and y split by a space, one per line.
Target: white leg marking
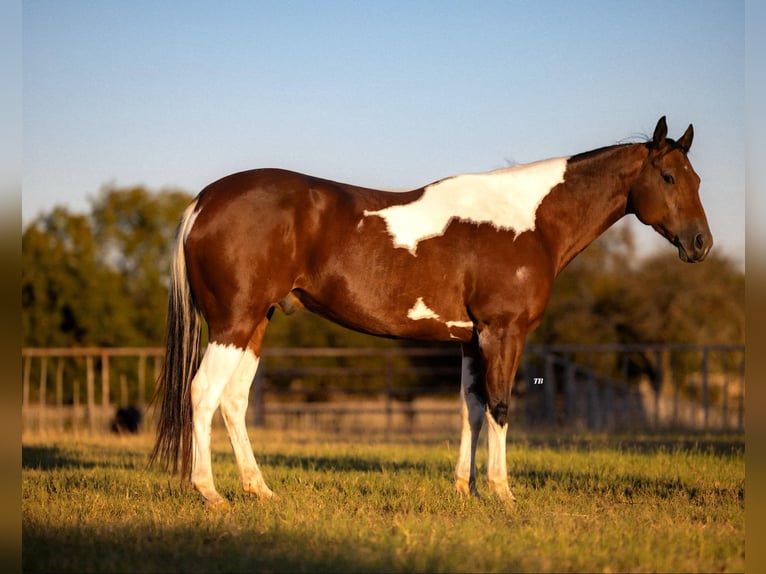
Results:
472 412
506 199
234 401
497 472
217 367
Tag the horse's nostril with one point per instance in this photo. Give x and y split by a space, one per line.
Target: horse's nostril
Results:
699 241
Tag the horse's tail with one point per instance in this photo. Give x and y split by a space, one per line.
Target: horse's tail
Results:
174 427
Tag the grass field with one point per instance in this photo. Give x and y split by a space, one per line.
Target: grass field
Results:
592 503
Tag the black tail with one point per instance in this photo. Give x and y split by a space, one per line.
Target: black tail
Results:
174 426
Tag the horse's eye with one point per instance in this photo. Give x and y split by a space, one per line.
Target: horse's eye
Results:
668 178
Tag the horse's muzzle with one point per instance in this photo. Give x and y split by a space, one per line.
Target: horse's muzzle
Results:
694 246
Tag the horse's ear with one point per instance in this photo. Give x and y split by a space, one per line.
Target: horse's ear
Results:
660 132
686 140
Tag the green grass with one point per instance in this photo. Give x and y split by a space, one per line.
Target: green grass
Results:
585 503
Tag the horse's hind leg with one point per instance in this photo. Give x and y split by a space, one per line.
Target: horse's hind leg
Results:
219 364
472 410
234 409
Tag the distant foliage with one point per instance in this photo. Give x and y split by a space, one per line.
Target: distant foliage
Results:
608 295
100 279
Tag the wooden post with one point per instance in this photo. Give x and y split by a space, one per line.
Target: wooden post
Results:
389 391
725 370
42 393
259 408
658 381
675 375
90 394
76 407
60 393
549 389
104 382
141 381
741 410
25 382
592 398
705 392
157 367
570 389
123 390
624 410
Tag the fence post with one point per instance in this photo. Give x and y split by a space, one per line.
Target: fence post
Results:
60 393
389 391
705 397
42 393
570 390
157 368
259 409
659 379
123 390
90 394
592 400
725 369
741 409
549 389
25 381
676 378
141 381
104 382
76 407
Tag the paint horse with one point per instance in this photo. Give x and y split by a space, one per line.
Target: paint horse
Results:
470 259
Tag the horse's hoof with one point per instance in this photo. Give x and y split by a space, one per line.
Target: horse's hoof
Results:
466 488
263 493
503 492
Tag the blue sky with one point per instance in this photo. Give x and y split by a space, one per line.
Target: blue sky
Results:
386 94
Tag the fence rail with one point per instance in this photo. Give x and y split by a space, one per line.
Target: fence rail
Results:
406 390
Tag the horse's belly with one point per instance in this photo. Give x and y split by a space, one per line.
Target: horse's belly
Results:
387 313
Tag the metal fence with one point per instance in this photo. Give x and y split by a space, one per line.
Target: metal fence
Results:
405 390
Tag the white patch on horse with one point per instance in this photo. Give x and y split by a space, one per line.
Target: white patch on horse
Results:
460 324
522 273
506 198
421 311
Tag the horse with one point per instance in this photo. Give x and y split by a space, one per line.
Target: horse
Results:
470 259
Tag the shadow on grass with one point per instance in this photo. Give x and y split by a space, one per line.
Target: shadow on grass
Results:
626 488
717 445
49 458
342 463
40 457
208 548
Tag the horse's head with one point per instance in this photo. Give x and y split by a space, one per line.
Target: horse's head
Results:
666 195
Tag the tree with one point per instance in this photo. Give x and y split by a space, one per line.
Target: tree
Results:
609 295
100 279
590 302
135 231
700 303
68 297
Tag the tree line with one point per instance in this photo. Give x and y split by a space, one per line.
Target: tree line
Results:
101 279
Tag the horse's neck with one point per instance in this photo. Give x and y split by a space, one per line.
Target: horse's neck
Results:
592 198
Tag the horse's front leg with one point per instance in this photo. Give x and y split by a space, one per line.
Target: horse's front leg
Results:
501 349
472 409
